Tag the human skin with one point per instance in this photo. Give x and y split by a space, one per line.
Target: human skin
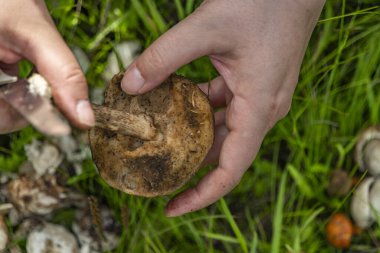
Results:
257 48
28 32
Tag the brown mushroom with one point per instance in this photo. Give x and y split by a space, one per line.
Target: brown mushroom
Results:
339 230
339 183
180 116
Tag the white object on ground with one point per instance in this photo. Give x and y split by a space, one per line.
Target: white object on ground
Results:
44 157
367 150
36 196
81 57
124 52
360 204
51 238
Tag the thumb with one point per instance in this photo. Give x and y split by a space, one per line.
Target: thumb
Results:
55 61
186 41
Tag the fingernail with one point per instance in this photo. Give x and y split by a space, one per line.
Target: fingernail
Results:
132 81
85 114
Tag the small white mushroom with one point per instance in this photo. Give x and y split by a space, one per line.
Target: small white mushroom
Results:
374 199
360 206
51 238
367 153
44 157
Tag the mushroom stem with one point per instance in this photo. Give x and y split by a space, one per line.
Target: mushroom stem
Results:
140 126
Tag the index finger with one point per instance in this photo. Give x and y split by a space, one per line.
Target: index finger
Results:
55 61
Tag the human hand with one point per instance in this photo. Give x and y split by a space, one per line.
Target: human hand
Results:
257 47
27 31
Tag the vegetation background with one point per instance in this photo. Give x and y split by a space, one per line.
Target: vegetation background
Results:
281 204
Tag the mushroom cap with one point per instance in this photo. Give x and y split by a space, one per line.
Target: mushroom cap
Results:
339 183
360 205
367 151
374 198
181 113
339 230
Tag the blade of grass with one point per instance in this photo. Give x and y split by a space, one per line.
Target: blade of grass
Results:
145 18
234 226
156 16
219 237
254 243
180 9
300 181
189 6
278 216
100 36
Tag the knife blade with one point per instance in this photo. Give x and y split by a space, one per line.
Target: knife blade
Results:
34 108
5 79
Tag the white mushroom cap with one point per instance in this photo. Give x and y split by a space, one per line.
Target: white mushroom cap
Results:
374 198
367 153
372 157
51 238
360 207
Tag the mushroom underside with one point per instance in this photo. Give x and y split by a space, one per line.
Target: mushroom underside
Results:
182 115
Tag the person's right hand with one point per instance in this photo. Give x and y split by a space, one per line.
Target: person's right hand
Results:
257 48
28 32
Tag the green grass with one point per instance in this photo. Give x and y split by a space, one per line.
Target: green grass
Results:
281 204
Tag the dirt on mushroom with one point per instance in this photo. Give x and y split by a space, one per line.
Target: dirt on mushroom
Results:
183 118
